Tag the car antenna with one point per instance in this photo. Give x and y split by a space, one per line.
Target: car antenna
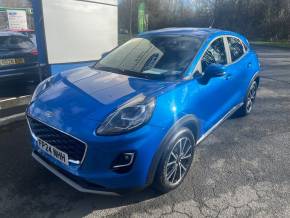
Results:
212 23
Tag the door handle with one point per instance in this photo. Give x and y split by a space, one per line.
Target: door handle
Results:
228 76
249 65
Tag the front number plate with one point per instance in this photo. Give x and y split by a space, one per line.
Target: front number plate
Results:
52 151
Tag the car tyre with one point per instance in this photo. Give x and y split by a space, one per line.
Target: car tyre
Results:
249 100
175 161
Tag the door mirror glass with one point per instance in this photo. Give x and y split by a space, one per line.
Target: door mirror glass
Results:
215 70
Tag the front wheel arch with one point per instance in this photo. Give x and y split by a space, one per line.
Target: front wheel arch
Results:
162 183
187 121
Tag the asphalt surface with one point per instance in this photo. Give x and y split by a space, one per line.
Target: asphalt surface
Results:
241 170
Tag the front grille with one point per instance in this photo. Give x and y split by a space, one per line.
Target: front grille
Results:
71 146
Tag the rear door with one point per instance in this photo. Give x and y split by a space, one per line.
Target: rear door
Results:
16 52
240 63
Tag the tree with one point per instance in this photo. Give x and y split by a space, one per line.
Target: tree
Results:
257 19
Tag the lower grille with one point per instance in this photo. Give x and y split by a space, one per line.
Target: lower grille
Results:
71 146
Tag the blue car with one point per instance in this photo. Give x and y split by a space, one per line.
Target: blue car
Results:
135 118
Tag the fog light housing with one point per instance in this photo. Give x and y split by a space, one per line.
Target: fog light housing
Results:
123 162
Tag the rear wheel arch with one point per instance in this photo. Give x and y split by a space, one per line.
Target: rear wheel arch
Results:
188 121
257 79
249 97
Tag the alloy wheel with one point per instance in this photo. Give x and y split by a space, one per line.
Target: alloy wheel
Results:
251 97
179 161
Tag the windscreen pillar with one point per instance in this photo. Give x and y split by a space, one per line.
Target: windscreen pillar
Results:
74 33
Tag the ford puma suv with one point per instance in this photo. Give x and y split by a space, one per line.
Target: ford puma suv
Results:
135 117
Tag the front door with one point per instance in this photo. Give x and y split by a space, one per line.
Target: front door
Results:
214 92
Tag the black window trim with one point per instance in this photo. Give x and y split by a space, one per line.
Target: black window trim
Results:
198 67
228 47
209 44
229 58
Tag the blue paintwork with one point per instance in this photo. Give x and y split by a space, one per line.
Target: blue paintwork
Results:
81 99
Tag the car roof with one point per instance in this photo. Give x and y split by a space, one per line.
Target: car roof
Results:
183 31
202 32
206 33
10 33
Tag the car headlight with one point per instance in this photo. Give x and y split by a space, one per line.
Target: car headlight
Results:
41 88
128 117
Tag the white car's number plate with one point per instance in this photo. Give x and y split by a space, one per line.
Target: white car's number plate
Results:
52 151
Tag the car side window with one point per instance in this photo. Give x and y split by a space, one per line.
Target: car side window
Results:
215 54
236 48
245 47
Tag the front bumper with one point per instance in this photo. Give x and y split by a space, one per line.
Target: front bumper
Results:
95 174
70 181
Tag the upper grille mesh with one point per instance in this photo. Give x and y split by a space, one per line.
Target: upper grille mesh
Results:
71 146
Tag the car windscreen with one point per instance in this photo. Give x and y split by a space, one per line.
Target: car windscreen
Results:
153 56
15 43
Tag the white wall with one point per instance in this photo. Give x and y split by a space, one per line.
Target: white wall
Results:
78 30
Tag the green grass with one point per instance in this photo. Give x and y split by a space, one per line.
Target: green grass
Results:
280 44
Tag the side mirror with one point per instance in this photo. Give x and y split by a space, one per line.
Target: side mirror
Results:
198 74
215 70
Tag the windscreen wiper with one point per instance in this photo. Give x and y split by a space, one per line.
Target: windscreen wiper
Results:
111 69
128 72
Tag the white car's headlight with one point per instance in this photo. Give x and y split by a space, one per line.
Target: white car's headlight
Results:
41 88
128 117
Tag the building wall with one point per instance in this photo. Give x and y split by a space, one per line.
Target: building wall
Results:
15 4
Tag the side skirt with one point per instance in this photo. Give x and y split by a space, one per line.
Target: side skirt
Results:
231 112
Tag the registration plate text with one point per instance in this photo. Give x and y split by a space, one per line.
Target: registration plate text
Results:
11 61
53 151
